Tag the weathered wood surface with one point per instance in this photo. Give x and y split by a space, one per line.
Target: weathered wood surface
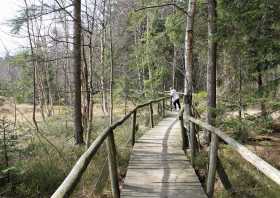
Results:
158 166
256 161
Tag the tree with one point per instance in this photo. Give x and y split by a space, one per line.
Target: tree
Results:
77 73
189 70
211 91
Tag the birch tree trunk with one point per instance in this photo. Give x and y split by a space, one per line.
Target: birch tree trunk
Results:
110 142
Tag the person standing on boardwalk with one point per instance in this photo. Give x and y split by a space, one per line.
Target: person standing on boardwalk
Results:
175 99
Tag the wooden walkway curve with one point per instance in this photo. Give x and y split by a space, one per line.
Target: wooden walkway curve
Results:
158 166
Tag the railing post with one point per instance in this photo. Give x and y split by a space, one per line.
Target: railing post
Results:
163 108
192 141
159 109
151 115
190 125
133 127
112 163
213 152
183 133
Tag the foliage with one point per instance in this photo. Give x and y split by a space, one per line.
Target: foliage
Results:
174 25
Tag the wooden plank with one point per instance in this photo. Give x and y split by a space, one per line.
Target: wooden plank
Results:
158 166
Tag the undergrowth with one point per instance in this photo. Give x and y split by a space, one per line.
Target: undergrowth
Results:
246 180
39 168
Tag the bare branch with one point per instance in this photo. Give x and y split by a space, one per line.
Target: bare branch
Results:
163 5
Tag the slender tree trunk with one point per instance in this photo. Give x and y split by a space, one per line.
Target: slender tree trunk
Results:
211 90
111 66
174 66
174 62
66 66
189 71
90 119
77 73
110 142
211 66
87 102
148 23
34 68
240 95
103 40
261 91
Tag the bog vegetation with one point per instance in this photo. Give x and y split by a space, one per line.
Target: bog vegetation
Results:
87 63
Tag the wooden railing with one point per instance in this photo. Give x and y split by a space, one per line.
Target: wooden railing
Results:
71 181
245 153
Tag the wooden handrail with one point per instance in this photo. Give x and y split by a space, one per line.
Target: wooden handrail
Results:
69 183
260 164
256 161
72 179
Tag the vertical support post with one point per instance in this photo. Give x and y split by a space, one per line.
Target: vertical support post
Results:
133 127
159 109
171 104
192 141
212 165
112 163
163 108
224 177
151 115
190 126
183 133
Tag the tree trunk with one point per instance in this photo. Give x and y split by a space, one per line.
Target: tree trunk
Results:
77 73
211 66
103 40
174 62
110 143
189 70
150 69
111 66
261 91
240 95
34 68
211 90
174 66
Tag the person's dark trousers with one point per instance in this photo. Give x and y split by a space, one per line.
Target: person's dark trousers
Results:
177 102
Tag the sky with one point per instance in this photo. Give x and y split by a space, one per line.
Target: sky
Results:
8 10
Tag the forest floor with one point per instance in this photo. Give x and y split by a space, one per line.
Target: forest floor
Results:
246 180
267 144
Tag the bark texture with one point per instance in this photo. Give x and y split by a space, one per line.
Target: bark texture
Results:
211 90
77 73
189 71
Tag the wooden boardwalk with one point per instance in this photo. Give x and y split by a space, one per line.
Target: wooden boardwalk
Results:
159 168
